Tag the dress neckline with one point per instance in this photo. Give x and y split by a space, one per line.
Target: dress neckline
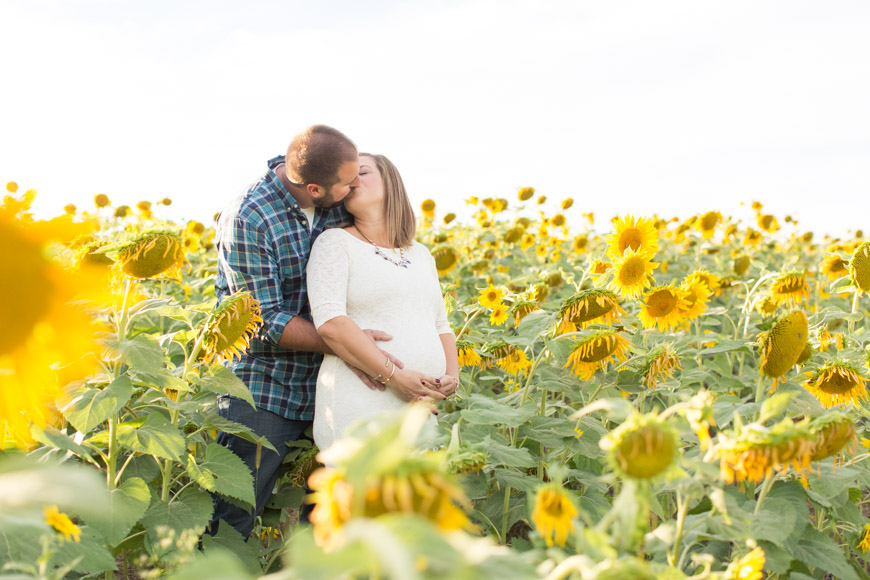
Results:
367 243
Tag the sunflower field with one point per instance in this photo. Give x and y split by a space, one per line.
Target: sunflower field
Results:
654 398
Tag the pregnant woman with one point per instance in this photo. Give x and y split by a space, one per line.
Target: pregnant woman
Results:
374 275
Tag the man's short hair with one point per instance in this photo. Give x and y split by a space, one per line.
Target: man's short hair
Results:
315 155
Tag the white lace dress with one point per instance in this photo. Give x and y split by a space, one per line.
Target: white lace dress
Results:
347 278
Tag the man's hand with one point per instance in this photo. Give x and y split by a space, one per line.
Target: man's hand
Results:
376 335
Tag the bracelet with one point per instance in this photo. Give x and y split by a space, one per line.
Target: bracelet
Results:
380 376
389 377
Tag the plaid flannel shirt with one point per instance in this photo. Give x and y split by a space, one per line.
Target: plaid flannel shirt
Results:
263 244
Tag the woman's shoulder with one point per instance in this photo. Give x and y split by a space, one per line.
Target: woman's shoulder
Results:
332 236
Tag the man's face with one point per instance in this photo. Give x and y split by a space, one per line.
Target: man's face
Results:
348 181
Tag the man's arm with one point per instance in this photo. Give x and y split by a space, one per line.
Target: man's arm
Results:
300 334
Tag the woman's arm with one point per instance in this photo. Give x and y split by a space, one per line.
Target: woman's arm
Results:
450 381
350 343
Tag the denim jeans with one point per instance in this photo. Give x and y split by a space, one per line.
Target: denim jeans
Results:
278 430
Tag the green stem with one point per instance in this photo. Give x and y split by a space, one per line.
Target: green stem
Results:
682 509
504 515
765 489
112 455
531 374
759 392
854 310
474 315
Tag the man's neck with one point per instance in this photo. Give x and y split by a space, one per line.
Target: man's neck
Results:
297 191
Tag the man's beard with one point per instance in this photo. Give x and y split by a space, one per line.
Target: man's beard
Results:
326 202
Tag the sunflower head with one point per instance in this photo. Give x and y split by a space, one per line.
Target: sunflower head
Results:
783 344
88 255
101 200
834 432
748 567
768 222
554 513
428 208
498 349
468 356
593 352
526 193
837 382
599 267
741 264
639 235
580 244
859 267
589 307
659 364
708 222
632 273
642 447
233 324
522 309
712 281
753 452
514 235
663 306
446 258
790 288
515 363
834 267
697 295
151 254
558 220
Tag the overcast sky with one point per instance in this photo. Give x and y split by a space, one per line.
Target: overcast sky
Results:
639 107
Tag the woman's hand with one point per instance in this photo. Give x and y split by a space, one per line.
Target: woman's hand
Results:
447 384
410 385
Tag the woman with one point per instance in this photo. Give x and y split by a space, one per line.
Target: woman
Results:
374 275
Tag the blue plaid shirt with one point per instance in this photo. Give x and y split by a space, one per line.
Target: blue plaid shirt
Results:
263 244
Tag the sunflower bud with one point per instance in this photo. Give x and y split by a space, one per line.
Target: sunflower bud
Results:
642 447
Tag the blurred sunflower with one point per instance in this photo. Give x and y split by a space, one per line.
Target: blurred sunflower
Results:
782 345
468 356
741 264
834 432
749 567
859 267
567 203
231 327
528 241
588 307
599 267
713 282
834 267
526 193
428 208
708 222
837 382
639 235
632 273
864 544
768 223
641 447
663 307
446 257
699 414
62 524
697 295
154 253
522 309
101 200
790 288
554 513
580 243
515 362
592 353
753 452
659 364
499 314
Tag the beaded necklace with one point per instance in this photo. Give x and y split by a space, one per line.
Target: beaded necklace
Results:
402 261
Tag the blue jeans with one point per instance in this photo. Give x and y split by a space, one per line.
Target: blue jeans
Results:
278 431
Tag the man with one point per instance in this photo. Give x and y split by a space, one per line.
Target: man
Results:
263 241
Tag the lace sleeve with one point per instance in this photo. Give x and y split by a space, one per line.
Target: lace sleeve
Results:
327 277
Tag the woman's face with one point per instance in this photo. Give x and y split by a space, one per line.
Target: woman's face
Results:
370 193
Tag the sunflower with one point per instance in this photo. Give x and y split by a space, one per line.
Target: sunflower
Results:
233 324
554 513
864 544
593 353
659 364
589 307
741 264
428 208
580 244
708 222
753 452
782 345
449 218
101 200
699 414
599 267
768 222
528 241
749 567
61 522
490 297
790 288
558 220
499 314
642 447
122 211
713 282
834 432
837 382
152 254
446 258
468 357
42 329
513 235
834 267
514 363
526 193
697 295
632 273
522 309
638 235
859 267
663 306
752 238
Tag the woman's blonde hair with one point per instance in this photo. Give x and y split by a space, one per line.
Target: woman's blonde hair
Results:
398 213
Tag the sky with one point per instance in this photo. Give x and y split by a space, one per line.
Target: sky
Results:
642 107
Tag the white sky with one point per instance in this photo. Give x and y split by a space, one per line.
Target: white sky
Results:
673 107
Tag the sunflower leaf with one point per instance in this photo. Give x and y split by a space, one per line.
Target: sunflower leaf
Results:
223 381
222 471
85 407
155 436
820 552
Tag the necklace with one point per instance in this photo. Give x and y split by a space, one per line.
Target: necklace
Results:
402 261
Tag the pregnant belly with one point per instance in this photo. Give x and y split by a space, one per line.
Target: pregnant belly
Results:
418 351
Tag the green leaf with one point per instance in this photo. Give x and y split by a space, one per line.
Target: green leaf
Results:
729 346
229 540
776 559
218 564
820 552
85 407
148 305
224 472
155 436
774 405
221 380
141 352
485 411
535 325
51 437
95 557
499 454
189 510
129 502
775 522
515 479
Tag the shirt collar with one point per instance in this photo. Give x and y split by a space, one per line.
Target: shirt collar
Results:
279 185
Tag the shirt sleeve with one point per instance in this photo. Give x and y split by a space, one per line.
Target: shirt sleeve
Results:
442 324
327 277
247 261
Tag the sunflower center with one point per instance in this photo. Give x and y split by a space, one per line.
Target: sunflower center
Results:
598 349
709 221
633 270
26 288
591 309
836 383
662 303
630 238
790 285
